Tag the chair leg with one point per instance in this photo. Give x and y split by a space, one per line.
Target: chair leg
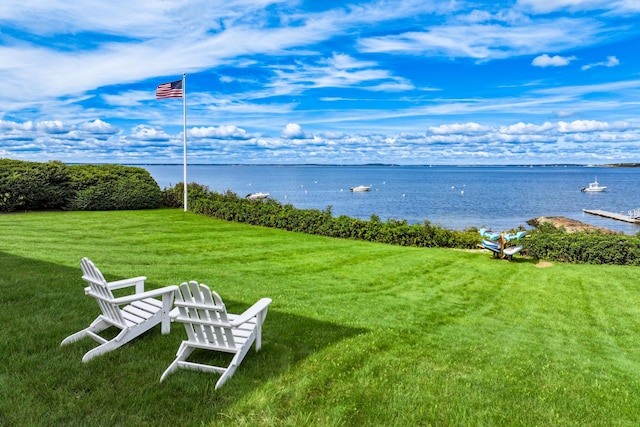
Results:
235 362
167 302
75 337
184 351
260 318
98 325
231 369
108 346
258 333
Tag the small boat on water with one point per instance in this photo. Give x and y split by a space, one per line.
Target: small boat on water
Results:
594 187
361 188
257 196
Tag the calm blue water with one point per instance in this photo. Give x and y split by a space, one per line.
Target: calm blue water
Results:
454 197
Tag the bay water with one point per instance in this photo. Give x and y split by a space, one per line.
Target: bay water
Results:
455 197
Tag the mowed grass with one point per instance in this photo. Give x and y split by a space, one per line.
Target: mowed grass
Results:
358 333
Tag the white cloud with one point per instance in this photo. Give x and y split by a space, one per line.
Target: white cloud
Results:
294 131
471 141
526 128
52 127
148 133
220 132
11 125
98 127
458 128
611 61
590 126
552 61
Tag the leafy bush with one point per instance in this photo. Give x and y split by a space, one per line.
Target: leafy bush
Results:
173 197
54 185
583 247
113 187
33 186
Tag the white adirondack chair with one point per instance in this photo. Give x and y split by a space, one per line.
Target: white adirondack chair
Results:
210 327
141 312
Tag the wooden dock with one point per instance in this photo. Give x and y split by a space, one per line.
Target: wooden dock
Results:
612 215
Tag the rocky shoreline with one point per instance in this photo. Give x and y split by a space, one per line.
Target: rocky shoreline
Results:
571 225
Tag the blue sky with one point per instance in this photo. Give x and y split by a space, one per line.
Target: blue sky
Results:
329 82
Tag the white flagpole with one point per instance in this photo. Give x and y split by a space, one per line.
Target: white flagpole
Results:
184 116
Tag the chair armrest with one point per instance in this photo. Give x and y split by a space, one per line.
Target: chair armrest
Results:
251 312
148 294
138 282
119 284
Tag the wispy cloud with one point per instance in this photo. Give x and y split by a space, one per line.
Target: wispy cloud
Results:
611 61
612 6
489 41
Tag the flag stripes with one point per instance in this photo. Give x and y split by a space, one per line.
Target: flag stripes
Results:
169 90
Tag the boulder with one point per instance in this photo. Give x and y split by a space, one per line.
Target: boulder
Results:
571 225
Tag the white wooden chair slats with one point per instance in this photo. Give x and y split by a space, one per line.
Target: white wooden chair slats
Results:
141 312
210 327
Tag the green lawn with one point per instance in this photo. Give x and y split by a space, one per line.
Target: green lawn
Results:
358 333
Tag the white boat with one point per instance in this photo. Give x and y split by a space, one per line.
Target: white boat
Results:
257 196
361 188
594 187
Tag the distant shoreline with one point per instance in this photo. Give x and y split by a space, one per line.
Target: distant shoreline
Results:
624 165
544 165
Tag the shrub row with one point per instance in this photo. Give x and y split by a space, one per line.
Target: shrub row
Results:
271 213
550 243
29 186
545 242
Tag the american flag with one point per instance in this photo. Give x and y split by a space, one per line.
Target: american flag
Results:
169 90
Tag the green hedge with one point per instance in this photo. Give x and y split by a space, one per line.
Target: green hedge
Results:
271 213
545 242
33 186
29 186
594 247
113 187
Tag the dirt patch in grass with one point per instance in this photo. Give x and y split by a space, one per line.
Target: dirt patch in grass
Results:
544 264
